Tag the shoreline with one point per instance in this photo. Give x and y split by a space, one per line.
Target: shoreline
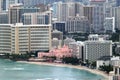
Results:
94 71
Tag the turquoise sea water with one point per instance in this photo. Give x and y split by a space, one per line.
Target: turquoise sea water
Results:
10 70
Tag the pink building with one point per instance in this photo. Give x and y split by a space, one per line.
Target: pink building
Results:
58 52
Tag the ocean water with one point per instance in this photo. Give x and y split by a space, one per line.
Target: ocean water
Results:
10 70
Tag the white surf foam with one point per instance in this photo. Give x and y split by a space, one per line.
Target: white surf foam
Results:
15 68
47 79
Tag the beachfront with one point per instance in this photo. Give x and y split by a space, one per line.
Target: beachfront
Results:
95 71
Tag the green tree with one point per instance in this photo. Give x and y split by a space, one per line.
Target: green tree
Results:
93 64
106 68
70 60
19 57
115 37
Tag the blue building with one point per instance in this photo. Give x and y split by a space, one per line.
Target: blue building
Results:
117 2
31 2
60 26
3 18
6 3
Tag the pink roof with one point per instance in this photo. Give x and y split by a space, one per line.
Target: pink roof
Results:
60 52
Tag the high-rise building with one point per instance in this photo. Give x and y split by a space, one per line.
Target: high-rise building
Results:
3 17
37 18
60 26
62 11
31 2
26 38
20 39
88 12
109 25
98 0
117 17
6 3
98 15
94 49
109 8
15 12
5 38
34 2
78 24
117 2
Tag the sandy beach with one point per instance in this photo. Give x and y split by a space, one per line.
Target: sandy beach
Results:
95 71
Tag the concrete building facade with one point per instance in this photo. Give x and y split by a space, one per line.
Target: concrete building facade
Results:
94 49
57 39
88 12
64 10
59 26
77 48
37 18
78 24
4 4
4 18
109 25
68 40
117 17
98 15
5 38
15 12
30 38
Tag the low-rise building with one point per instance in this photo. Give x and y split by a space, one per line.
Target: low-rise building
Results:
68 40
77 48
117 47
115 74
65 51
56 43
57 34
57 38
105 60
108 60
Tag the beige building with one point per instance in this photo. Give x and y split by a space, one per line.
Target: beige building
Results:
37 18
26 38
5 38
16 11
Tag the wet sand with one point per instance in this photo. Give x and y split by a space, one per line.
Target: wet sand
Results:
95 71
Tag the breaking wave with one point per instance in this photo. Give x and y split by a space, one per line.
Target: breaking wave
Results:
15 68
47 79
